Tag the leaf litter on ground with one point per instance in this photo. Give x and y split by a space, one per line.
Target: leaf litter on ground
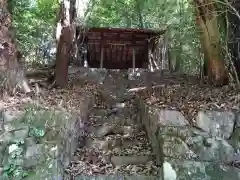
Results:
177 93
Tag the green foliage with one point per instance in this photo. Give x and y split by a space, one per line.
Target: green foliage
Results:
34 24
175 15
36 132
13 167
13 164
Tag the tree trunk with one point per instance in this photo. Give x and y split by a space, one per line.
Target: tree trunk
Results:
11 75
139 13
64 36
178 63
206 19
234 36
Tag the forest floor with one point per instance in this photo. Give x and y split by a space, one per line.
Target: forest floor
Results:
114 139
172 91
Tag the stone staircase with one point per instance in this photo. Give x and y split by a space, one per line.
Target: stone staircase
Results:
115 145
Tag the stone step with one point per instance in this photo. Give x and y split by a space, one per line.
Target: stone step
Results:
107 129
126 160
119 177
117 142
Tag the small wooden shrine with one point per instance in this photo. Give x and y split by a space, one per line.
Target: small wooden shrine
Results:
120 48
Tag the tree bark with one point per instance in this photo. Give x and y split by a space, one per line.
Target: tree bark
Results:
234 35
64 36
206 19
11 74
139 13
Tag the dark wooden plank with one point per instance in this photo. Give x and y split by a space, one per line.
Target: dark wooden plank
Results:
118 44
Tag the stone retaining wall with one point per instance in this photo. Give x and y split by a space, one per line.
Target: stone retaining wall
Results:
184 152
39 143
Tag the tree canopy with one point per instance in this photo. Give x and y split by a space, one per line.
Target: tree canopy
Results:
34 22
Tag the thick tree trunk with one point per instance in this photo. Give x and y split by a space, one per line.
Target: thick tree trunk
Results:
11 75
210 40
64 35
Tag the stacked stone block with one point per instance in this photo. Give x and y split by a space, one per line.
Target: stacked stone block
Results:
208 150
39 143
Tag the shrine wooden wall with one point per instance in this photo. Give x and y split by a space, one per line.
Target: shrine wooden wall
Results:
115 48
